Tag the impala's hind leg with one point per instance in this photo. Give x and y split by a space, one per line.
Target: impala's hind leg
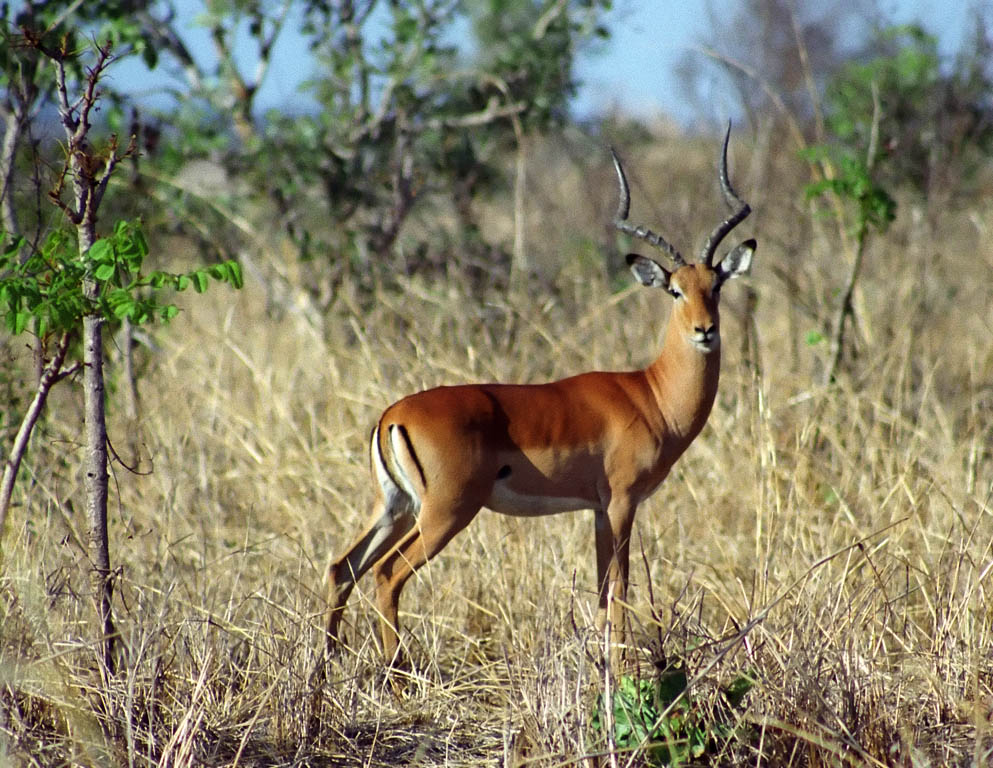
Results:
392 518
436 524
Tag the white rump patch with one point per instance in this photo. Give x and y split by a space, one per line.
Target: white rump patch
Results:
390 488
399 448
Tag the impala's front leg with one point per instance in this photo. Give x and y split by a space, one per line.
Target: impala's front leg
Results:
613 538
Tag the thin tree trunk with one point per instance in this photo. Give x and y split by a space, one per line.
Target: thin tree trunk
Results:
844 312
49 377
96 481
519 266
12 120
95 464
89 190
846 309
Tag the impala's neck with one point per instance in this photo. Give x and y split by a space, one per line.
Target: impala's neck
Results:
684 380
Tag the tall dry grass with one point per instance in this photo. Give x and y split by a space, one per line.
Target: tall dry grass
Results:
847 529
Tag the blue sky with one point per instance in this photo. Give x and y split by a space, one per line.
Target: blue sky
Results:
637 68
634 71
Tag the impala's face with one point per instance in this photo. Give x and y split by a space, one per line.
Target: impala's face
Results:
696 291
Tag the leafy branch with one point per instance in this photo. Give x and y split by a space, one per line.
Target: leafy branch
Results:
852 185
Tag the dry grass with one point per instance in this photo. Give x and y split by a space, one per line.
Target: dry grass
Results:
854 522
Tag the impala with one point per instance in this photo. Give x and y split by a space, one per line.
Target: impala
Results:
600 440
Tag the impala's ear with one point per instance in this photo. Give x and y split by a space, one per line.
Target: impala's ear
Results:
648 271
738 261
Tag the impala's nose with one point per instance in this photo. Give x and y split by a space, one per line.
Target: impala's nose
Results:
705 337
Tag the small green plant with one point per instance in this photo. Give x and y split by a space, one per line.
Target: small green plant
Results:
854 183
934 114
659 715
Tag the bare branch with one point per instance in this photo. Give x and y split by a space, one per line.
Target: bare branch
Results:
772 93
72 370
267 43
165 37
554 10
13 124
494 111
870 160
66 13
65 111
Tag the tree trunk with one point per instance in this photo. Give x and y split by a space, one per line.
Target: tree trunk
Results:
12 122
95 466
89 190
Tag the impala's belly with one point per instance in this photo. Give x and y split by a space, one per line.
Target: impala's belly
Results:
509 502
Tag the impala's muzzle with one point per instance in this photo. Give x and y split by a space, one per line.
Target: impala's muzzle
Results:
706 339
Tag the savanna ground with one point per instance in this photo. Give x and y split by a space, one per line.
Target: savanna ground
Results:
847 528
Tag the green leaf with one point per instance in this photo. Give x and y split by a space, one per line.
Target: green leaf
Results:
102 251
125 308
105 272
10 253
234 274
150 55
19 322
672 683
737 689
200 280
159 279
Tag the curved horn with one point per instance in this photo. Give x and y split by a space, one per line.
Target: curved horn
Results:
621 223
740 207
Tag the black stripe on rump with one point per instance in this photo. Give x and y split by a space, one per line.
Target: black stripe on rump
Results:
410 449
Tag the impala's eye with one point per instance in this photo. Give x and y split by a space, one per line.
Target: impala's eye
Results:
675 292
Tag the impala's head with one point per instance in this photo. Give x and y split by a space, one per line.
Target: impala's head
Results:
695 286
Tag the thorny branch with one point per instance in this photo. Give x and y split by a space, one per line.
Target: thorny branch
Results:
90 173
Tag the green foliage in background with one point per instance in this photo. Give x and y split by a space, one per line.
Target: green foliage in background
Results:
935 121
532 50
399 123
